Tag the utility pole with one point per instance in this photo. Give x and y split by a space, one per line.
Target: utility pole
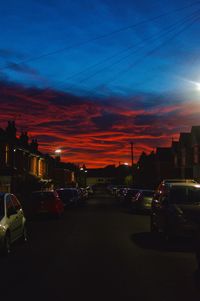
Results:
132 154
132 162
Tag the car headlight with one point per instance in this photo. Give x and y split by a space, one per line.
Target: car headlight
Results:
2 229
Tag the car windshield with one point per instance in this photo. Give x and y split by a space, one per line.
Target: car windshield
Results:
42 196
65 193
1 206
185 195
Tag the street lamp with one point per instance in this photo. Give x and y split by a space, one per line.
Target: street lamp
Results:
57 154
58 151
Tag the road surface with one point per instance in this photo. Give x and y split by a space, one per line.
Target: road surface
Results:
98 252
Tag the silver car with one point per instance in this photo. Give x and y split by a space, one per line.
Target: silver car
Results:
12 221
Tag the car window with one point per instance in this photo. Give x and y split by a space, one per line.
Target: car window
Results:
10 209
185 195
15 202
2 209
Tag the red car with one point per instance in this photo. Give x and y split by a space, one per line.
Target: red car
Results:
46 202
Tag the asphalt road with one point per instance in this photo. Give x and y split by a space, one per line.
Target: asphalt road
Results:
97 252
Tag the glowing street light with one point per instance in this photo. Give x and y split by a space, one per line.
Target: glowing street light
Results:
58 151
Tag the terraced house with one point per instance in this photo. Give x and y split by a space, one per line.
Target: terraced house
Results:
20 161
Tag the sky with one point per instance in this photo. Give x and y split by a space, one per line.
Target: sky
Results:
90 76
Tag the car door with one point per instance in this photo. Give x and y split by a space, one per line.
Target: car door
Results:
161 210
12 218
20 215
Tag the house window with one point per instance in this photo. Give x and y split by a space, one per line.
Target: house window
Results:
34 166
7 155
41 167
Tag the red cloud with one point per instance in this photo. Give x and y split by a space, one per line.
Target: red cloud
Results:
93 132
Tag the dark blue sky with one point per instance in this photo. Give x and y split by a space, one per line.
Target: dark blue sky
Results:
121 63
108 72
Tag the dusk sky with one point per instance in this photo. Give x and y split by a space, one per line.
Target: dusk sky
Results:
89 76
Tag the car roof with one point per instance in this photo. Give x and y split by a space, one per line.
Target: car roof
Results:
180 184
41 191
147 190
67 188
179 181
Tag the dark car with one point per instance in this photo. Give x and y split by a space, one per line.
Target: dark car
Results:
129 194
176 211
12 222
166 183
46 202
142 201
69 196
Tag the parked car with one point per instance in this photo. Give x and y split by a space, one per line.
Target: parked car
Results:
83 194
176 211
44 202
164 184
12 221
69 196
142 201
90 190
129 194
120 193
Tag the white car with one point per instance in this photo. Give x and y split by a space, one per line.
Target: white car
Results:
12 221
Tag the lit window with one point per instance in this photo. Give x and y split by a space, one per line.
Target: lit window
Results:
7 154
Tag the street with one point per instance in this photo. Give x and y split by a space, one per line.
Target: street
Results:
97 251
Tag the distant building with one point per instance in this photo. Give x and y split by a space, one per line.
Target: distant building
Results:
181 160
22 164
100 176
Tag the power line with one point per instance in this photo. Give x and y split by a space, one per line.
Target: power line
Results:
148 54
77 45
169 30
108 58
154 38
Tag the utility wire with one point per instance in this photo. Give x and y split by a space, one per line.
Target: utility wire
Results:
148 54
169 30
77 45
136 45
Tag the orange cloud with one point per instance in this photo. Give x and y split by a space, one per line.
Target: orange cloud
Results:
95 132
